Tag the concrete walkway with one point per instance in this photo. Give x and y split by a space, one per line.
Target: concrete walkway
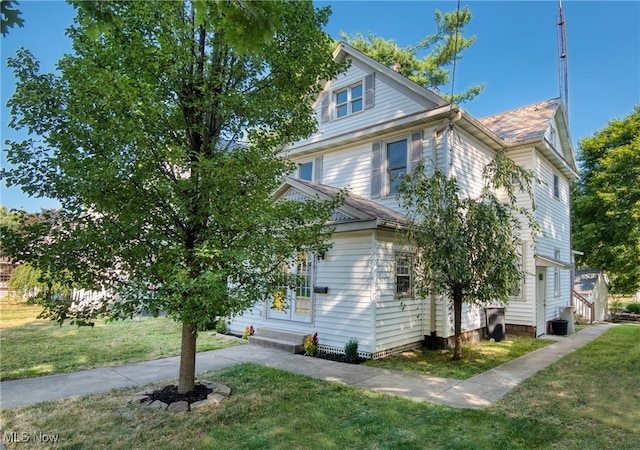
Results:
476 392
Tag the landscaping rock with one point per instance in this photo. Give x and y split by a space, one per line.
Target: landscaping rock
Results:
167 398
157 404
138 398
182 406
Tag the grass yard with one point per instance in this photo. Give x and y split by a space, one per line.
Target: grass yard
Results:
31 347
477 358
589 399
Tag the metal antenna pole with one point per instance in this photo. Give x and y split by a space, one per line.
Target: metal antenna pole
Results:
562 61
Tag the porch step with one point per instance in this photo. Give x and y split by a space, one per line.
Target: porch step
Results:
277 339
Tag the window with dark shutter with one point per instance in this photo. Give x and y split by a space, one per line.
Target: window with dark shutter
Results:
325 104
396 165
369 90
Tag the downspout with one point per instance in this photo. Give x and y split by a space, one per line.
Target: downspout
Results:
456 115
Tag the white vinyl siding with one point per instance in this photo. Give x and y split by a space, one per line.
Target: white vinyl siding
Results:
349 167
387 103
466 159
345 311
552 214
398 320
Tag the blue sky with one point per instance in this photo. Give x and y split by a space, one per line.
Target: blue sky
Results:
515 54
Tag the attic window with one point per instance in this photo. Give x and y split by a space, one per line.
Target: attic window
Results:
349 100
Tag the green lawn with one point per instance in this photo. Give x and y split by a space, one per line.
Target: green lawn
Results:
477 358
587 400
31 347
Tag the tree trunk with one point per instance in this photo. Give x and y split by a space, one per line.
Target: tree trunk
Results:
457 323
187 379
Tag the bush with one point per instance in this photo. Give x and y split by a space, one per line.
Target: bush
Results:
221 326
633 308
311 345
351 350
24 283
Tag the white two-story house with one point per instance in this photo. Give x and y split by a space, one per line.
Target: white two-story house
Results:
375 124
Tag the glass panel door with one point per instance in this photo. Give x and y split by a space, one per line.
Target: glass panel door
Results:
296 304
302 296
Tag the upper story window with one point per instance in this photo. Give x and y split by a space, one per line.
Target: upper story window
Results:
349 100
556 186
396 165
305 171
310 170
391 161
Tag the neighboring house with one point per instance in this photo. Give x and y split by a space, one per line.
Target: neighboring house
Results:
592 289
375 124
6 269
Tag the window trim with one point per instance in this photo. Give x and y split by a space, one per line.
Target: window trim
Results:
409 258
300 170
556 274
350 100
388 180
316 169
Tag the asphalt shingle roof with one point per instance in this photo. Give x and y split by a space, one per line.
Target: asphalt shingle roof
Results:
362 204
522 124
585 280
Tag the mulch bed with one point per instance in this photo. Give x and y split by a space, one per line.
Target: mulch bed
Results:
339 358
169 394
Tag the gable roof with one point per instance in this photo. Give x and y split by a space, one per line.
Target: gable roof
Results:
585 280
357 212
528 125
522 124
344 51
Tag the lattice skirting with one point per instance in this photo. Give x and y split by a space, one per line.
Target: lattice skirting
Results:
375 355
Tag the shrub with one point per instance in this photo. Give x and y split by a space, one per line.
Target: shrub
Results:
311 345
351 350
633 308
221 326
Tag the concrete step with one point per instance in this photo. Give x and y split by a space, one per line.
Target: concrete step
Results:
277 339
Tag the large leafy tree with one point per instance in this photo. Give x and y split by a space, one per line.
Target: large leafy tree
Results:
468 248
443 49
10 16
606 202
159 138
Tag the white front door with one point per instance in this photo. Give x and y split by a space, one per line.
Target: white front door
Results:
296 304
541 301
